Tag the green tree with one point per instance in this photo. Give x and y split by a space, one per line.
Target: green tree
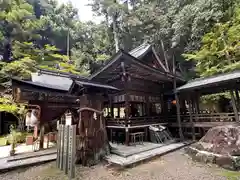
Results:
220 51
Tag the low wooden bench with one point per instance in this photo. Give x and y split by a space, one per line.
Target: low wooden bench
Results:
137 137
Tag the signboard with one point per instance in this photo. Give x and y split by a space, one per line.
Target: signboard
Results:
66 149
68 119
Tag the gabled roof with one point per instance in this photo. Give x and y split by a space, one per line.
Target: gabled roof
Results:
209 82
124 55
142 50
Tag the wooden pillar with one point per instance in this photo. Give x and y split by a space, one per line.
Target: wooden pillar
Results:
127 118
234 106
196 107
179 117
147 106
197 104
118 107
238 99
191 120
111 106
41 143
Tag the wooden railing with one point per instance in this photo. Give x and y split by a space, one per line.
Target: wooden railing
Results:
205 117
134 121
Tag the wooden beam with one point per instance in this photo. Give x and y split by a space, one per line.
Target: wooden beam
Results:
234 106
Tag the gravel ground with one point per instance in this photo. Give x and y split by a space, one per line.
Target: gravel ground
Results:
174 166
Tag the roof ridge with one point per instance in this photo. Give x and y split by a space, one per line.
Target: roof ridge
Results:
63 74
213 76
138 47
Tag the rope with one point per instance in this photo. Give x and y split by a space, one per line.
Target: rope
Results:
91 109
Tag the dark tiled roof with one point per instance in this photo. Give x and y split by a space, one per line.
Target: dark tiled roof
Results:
208 81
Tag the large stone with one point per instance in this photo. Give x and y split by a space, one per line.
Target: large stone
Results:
226 162
224 140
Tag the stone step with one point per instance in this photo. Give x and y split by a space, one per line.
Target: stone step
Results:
7 166
146 155
32 154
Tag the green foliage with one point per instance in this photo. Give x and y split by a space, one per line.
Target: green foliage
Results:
20 137
220 51
8 105
13 135
213 98
231 175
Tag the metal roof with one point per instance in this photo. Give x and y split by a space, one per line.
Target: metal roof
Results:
39 84
53 81
208 81
140 50
94 84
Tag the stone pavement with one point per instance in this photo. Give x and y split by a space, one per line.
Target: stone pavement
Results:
20 149
27 159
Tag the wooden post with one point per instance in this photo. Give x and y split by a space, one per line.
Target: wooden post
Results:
177 100
147 106
126 119
196 109
126 77
238 99
41 143
111 106
234 106
197 104
191 119
178 117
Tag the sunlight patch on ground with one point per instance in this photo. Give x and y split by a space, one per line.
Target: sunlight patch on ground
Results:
231 175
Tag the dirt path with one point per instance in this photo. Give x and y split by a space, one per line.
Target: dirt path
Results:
174 166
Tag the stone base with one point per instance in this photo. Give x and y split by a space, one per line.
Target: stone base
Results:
227 162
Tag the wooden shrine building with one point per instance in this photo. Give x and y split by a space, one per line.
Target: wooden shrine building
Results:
143 99
137 91
195 120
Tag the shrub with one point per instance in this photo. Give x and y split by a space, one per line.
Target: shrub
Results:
20 137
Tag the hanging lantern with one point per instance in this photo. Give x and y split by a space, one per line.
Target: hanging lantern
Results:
28 119
34 118
174 102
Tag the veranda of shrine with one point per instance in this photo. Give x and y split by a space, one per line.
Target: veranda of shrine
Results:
136 90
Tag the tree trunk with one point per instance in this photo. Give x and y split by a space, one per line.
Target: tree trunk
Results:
92 143
115 33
